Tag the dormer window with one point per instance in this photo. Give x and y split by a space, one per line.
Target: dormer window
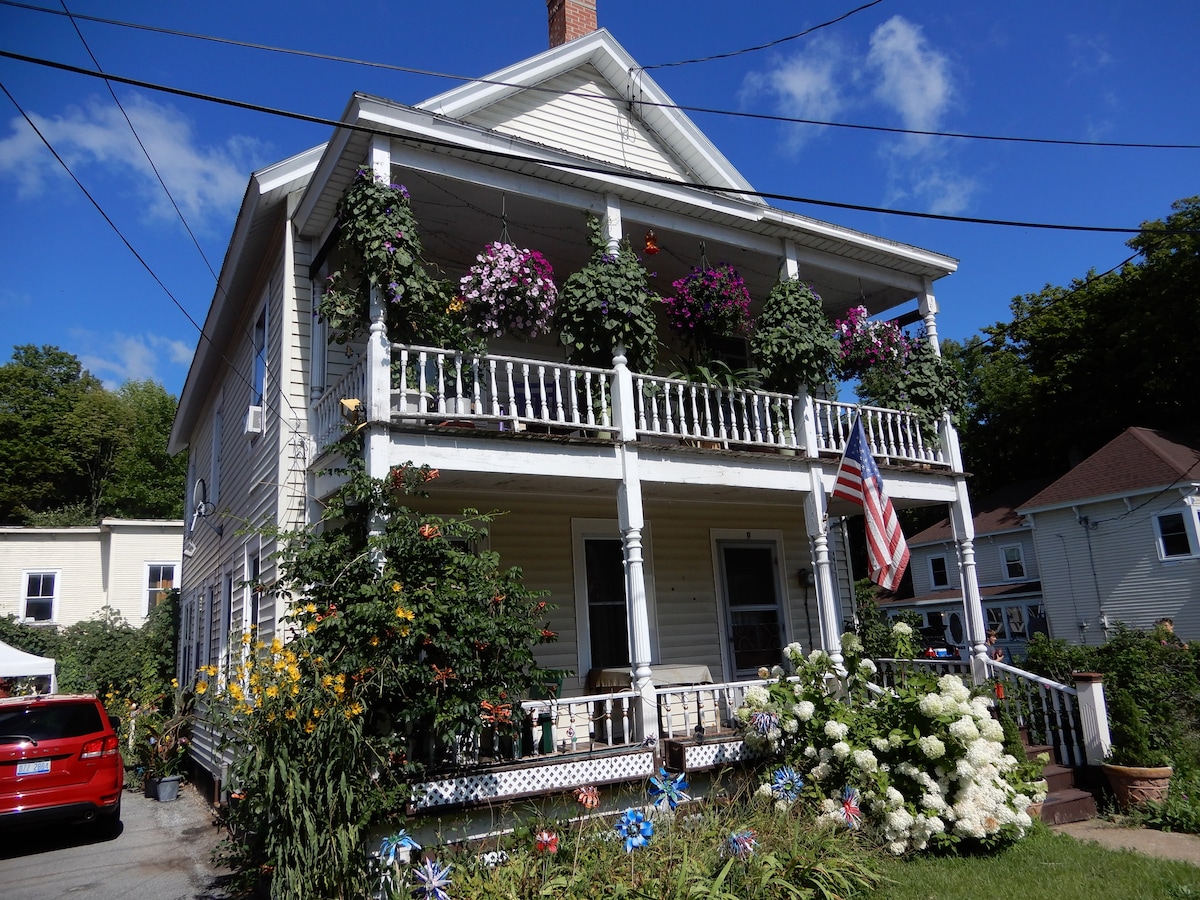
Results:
1176 534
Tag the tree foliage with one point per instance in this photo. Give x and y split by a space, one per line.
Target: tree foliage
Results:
72 452
1077 365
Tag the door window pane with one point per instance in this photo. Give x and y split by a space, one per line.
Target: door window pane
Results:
608 628
754 618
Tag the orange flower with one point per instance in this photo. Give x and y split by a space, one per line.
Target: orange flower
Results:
587 796
442 675
429 531
432 474
495 712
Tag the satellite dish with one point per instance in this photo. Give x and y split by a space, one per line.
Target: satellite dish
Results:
200 501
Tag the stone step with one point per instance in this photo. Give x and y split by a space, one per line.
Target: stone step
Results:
1071 805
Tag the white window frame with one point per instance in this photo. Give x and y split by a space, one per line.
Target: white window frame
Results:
258 349
57 576
608 529
933 581
252 571
146 587
1189 516
1004 563
724 536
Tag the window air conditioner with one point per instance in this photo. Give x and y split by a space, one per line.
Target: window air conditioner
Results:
254 420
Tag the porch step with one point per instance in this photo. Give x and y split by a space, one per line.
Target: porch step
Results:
1058 778
1070 805
1032 751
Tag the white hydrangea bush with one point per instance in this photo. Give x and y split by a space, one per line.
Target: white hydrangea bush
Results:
918 765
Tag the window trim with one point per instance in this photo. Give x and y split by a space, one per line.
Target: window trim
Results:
146 566
1190 516
607 529
1004 573
933 582
57 575
719 537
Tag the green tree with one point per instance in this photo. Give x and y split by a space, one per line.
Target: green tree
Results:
145 481
1077 365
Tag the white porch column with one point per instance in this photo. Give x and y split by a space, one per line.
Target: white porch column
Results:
791 262
927 304
377 403
816 517
1093 713
612 222
964 535
631 521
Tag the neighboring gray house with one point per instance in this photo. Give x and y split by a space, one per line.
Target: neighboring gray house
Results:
1118 539
1006 563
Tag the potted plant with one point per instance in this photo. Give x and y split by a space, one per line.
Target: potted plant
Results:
510 291
709 304
793 343
868 346
1138 768
606 304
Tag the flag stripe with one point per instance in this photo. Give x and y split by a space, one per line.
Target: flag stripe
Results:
859 481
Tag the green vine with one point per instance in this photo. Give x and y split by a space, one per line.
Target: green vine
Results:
793 342
608 302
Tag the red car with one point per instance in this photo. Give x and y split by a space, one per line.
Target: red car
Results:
59 760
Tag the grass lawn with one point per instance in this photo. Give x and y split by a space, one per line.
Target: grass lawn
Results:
1044 866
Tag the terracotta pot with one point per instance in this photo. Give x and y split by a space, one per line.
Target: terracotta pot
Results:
1134 785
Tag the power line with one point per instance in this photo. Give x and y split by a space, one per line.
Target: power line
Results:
768 45
578 167
766 117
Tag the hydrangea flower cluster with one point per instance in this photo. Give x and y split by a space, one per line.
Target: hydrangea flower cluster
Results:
510 291
708 303
867 344
919 764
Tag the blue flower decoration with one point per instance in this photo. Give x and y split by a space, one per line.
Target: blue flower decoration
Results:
635 828
394 843
434 879
786 784
669 788
740 844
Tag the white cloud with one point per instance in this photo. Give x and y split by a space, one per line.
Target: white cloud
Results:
1089 52
808 85
913 78
130 357
206 181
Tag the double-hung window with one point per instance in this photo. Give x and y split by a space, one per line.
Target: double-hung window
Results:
1176 534
40 594
939 574
1012 559
160 579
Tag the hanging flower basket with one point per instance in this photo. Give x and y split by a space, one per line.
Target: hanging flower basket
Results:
709 303
510 291
868 345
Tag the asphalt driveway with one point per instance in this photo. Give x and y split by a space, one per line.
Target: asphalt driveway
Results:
162 852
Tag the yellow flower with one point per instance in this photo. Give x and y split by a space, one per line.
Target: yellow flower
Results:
318 712
397 587
276 646
326 680
456 305
246 639
201 687
406 614
374 640
235 691
295 689
310 627
174 684
272 691
291 714
310 608
310 726
403 631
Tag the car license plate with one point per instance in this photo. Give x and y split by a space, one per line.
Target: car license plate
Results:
38 767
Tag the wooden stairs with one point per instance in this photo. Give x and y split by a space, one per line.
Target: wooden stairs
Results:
1064 801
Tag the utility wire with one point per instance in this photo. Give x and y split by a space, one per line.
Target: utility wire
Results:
611 171
766 117
766 46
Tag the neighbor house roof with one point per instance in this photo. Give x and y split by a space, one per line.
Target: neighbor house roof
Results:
987 592
993 514
1135 461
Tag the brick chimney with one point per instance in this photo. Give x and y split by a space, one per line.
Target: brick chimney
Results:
570 19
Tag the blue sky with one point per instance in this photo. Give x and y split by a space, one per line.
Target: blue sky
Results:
1080 70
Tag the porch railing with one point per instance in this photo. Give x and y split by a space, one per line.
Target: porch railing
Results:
894 436
700 711
431 385
1050 711
890 671
583 724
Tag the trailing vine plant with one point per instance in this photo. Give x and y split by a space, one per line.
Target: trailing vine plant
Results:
379 247
793 343
608 302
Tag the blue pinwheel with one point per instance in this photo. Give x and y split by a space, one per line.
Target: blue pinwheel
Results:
393 844
764 722
668 788
434 879
786 784
635 828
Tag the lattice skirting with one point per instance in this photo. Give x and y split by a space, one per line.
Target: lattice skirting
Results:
485 787
691 757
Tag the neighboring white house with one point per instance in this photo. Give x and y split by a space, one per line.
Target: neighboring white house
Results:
1007 566
66 575
673 554
1118 538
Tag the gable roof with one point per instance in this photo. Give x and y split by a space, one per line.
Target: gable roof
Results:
993 514
1135 461
592 78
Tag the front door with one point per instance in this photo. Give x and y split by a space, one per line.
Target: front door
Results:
608 628
754 621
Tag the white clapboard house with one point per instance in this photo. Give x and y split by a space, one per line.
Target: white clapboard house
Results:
681 551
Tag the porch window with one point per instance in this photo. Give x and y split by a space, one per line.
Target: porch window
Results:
939 575
1176 534
38 605
995 621
1016 622
1013 560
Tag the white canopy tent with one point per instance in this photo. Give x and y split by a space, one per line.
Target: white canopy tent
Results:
16 663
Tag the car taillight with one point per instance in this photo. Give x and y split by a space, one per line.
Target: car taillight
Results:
105 746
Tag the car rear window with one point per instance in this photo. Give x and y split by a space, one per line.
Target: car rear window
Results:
49 722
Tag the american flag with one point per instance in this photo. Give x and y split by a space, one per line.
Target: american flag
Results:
859 481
